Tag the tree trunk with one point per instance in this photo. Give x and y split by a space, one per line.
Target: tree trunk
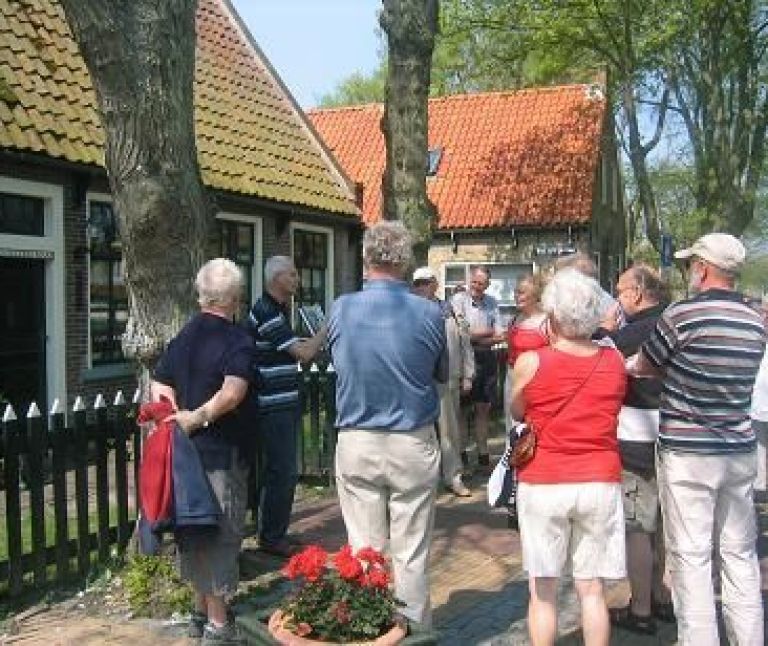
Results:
141 59
410 26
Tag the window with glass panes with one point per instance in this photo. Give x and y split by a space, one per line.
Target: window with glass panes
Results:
237 245
310 254
108 304
22 215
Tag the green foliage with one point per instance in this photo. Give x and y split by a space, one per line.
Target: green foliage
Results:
358 88
154 588
341 610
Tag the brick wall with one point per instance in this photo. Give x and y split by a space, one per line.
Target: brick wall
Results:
84 381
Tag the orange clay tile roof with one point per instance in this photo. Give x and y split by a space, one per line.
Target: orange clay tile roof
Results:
523 158
251 137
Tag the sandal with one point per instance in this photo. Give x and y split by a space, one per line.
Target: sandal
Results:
628 620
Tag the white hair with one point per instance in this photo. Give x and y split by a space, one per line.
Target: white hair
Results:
388 244
575 302
276 265
219 282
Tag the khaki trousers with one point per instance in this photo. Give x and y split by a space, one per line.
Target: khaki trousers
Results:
706 502
450 438
387 483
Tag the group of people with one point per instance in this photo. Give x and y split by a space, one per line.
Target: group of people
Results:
641 407
633 404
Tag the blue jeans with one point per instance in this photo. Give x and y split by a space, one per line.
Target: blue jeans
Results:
277 444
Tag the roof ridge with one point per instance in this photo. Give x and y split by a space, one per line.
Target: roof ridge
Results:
346 108
463 96
527 90
343 181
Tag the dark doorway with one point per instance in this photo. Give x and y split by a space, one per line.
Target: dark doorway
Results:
22 333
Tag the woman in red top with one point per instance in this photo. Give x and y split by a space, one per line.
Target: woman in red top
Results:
569 497
527 331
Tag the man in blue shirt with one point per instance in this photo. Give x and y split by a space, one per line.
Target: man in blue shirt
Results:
388 348
277 352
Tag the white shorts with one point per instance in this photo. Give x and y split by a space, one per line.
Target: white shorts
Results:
575 528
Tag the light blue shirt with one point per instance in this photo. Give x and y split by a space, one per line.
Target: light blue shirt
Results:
387 347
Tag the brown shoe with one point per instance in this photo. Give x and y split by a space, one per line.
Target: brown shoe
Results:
283 549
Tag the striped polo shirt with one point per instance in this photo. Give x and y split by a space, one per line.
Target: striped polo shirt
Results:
276 375
709 348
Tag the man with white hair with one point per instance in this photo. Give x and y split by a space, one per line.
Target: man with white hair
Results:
461 370
276 398
707 350
388 348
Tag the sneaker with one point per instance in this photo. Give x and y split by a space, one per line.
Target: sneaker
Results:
226 635
459 488
197 621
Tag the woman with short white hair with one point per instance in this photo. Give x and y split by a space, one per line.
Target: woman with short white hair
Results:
205 373
569 497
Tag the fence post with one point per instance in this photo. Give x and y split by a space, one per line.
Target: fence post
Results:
81 486
314 415
121 466
12 501
303 406
102 478
59 473
330 421
137 449
37 448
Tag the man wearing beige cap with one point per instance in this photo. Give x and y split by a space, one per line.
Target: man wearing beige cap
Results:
461 370
707 349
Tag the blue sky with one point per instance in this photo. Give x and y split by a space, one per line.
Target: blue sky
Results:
314 44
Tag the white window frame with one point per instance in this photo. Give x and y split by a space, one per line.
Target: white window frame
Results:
330 286
95 197
50 244
257 271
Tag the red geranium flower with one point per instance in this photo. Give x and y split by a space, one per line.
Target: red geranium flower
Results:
347 565
378 578
321 607
371 556
309 563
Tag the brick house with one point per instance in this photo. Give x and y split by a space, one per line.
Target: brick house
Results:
276 188
518 178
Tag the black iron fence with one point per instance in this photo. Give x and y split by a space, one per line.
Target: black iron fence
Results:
68 493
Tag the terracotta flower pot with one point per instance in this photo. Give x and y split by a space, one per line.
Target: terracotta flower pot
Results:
284 636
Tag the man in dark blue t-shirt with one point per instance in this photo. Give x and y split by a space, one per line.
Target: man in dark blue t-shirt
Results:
276 398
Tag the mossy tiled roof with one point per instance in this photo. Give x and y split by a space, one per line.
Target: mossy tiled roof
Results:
251 137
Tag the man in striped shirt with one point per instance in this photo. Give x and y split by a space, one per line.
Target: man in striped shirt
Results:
275 396
708 349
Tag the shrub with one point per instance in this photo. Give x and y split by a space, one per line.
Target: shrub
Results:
153 587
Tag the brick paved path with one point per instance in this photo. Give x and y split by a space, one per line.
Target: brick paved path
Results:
479 591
